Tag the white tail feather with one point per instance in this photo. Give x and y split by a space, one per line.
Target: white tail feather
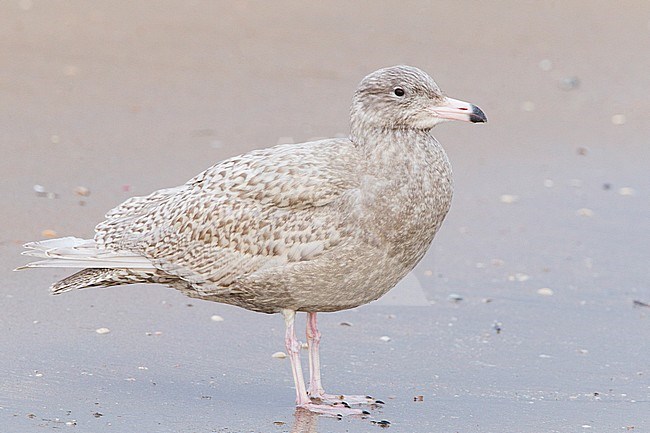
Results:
73 252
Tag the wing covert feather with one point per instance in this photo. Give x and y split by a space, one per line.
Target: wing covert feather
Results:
262 209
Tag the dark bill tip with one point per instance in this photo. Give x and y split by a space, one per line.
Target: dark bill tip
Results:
477 116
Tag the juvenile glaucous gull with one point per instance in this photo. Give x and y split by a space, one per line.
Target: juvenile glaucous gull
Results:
315 227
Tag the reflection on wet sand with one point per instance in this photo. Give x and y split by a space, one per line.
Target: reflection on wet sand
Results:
304 421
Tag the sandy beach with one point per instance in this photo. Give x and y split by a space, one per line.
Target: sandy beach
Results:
531 311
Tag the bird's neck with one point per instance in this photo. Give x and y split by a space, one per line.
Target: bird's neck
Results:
390 146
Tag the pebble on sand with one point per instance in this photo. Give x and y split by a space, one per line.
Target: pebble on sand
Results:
385 338
216 318
279 355
569 83
545 291
47 233
82 191
102 331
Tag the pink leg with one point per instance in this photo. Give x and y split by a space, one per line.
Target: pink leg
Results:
313 341
293 350
302 399
315 385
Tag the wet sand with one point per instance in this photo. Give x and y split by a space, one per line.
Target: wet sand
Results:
522 316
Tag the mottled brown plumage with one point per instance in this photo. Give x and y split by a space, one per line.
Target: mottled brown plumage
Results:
318 226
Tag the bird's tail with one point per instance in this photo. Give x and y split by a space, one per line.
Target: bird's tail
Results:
101 267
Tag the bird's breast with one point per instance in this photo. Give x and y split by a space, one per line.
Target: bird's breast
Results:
406 200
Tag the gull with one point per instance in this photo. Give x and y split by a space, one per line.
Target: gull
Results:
313 227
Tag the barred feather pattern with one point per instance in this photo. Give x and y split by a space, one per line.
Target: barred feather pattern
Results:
317 226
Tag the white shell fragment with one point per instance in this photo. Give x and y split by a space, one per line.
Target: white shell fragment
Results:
626 191
216 318
585 212
545 291
102 331
619 119
519 276
279 355
509 198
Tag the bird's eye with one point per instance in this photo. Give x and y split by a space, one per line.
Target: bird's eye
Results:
398 91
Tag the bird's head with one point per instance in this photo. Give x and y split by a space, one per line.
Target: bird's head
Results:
404 97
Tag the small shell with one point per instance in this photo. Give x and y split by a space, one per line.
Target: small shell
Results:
619 119
626 191
519 276
82 191
585 212
509 198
